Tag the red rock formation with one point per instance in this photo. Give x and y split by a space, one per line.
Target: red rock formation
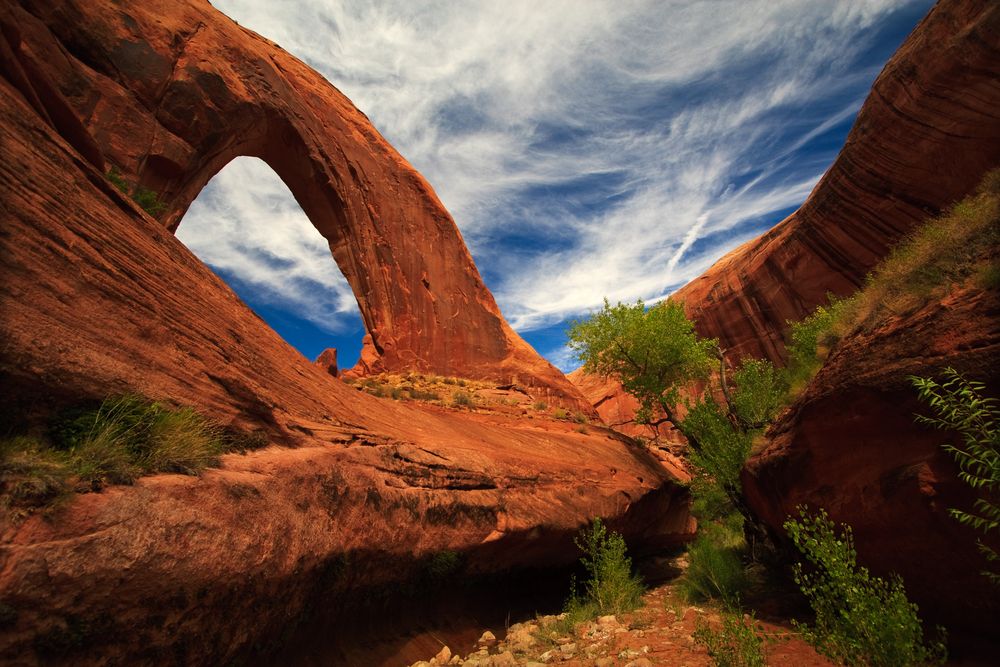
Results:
327 360
96 297
926 134
171 92
850 445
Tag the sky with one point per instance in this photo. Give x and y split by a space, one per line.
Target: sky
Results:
586 149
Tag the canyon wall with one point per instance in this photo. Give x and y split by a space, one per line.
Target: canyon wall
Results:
850 444
98 298
928 131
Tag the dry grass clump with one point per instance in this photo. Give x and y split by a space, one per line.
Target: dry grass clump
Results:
116 442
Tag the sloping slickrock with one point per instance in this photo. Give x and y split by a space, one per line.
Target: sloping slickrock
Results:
170 92
850 444
924 137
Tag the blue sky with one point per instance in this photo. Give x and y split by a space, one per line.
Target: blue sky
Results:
585 149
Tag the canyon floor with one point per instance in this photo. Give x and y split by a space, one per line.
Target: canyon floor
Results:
660 632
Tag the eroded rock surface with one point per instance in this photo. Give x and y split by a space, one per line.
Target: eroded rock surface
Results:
169 93
924 137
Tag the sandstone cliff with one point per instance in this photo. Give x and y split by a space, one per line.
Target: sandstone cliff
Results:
850 444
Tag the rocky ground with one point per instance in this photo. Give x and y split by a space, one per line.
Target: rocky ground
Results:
661 632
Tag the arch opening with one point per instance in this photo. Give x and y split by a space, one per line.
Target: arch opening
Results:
246 226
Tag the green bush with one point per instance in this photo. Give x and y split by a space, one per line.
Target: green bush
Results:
612 588
560 413
147 199
708 501
723 447
738 643
128 436
860 619
715 562
540 405
961 406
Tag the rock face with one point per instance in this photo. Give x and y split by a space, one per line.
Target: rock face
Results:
850 445
97 297
327 360
926 134
169 93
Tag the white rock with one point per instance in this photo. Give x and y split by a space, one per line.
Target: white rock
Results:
487 638
443 656
607 621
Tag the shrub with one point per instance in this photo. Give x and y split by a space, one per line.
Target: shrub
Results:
560 413
540 405
147 199
30 475
611 587
961 406
461 399
715 563
723 448
860 619
128 436
738 643
117 180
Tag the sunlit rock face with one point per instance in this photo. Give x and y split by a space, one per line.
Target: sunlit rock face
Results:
926 134
169 94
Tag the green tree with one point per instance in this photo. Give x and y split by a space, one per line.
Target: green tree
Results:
654 352
659 359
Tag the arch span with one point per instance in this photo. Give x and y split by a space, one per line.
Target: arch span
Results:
169 112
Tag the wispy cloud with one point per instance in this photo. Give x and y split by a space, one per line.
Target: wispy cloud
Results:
249 228
586 149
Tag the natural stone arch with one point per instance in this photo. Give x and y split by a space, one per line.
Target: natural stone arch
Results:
170 113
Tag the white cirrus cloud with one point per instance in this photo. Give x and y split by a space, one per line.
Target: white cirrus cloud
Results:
586 148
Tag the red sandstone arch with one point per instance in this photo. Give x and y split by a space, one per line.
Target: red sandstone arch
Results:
170 99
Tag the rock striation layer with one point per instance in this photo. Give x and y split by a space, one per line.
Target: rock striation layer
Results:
169 93
924 137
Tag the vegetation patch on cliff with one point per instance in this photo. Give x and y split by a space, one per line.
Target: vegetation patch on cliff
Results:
954 248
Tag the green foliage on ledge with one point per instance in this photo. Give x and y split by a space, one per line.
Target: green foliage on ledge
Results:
147 199
115 442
